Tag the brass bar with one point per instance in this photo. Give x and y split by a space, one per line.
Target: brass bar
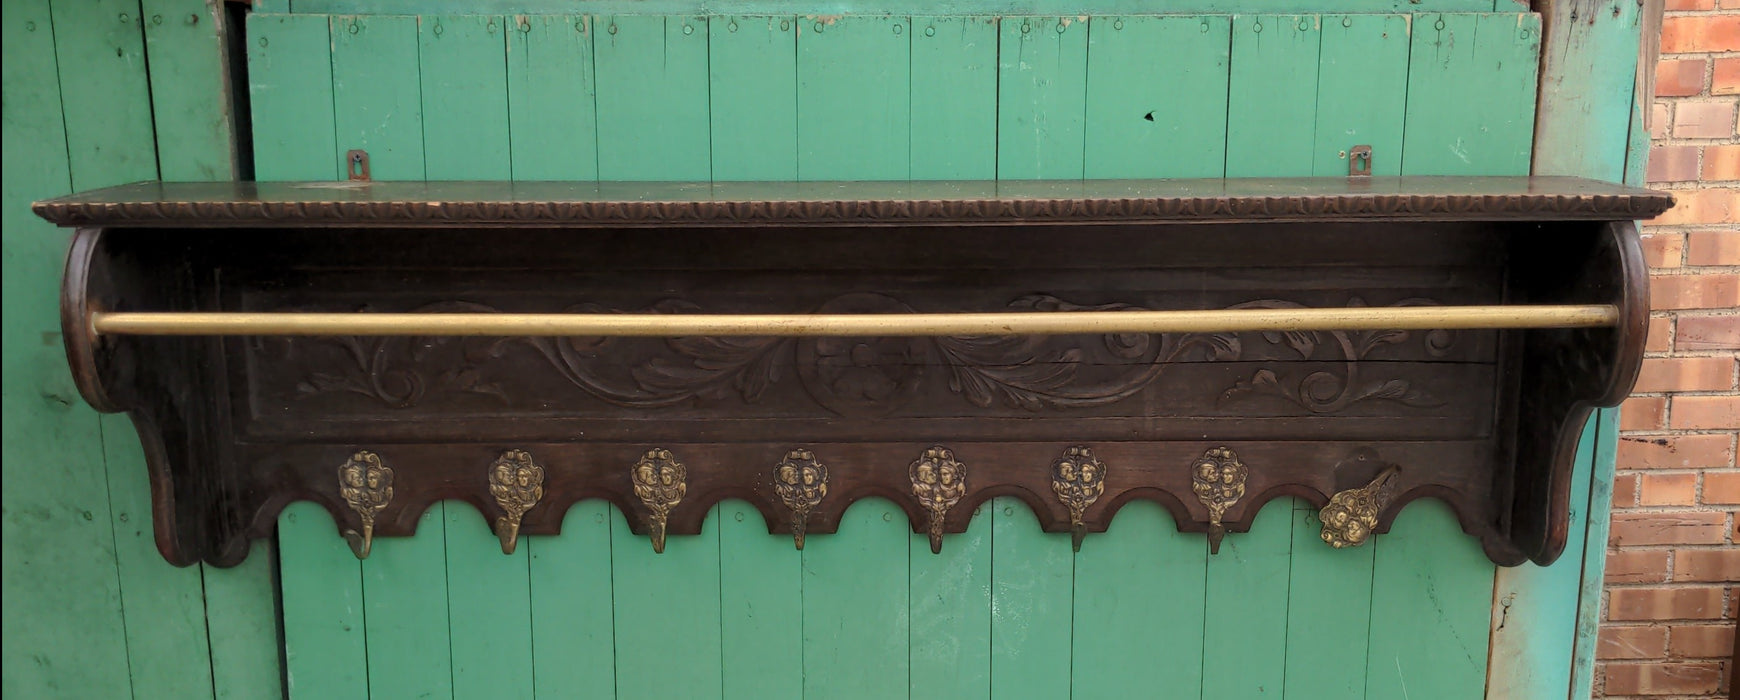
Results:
884 325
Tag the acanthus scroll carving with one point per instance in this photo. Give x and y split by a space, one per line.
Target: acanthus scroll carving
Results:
869 377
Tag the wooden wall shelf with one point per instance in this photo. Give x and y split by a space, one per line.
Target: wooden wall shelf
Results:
1358 416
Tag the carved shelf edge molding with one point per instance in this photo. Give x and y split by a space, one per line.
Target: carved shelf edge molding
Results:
1076 426
798 203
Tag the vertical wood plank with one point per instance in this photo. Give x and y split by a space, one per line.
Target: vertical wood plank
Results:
290 97
1471 90
1032 589
376 94
489 609
855 605
190 88
1139 607
1594 567
1328 612
1244 651
1431 594
322 589
107 99
954 98
950 610
1157 97
761 606
405 603
1362 83
667 613
462 63
753 76
573 652
854 98
1272 100
553 119
59 545
242 623
1041 97
1588 74
653 121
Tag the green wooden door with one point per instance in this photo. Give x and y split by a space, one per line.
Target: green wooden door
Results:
1006 610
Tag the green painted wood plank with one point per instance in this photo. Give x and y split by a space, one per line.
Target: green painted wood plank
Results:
462 61
1139 608
1244 651
1362 80
667 613
241 615
190 91
752 71
1272 99
1533 619
1471 90
854 98
1583 653
1142 125
489 609
405 604
325 656
572 633
954 98
1430 602
761 606
950 613
1587 90
1041 97
1328 613
109 139
1032 587
290 97
552 116
376 94
855 606
653 121
884 7
58 546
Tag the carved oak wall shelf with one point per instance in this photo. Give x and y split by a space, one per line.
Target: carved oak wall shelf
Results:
1209 345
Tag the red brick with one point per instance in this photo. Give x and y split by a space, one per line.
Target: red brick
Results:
1680 78
1728 4
1632 643
1663 250
1625 490
1707 565
1727 77
1661 374
1668 528
1704 119
1690 5
1678 489
1709 332
1721 163
1722 488
1705 291
1701 641
1675 452
1679 603
1660 337
1637 566
1643 413
1663 679
1700 34
1660 115
1706 412
1702 206
1713 247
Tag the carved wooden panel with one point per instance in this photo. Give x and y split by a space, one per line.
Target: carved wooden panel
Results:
1209 424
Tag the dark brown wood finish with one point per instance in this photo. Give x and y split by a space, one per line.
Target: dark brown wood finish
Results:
235 428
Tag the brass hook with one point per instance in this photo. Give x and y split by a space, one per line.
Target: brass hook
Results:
1219 482
939 481
1078 479
1350 515
660 481
367 487
802 483
517 483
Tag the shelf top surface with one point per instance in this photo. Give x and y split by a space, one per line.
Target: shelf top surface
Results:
603 204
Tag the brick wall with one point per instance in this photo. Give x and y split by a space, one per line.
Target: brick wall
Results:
1673 564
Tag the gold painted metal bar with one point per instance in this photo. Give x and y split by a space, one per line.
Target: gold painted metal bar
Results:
843 325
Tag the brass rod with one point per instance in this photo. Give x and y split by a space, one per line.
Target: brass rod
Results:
823 325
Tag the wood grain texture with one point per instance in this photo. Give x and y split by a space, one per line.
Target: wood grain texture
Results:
573 630
552 98
854 98
752 67
1272 98
954 98
653 118
1041 98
